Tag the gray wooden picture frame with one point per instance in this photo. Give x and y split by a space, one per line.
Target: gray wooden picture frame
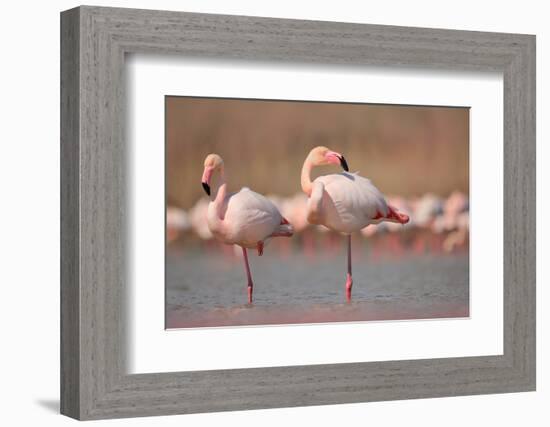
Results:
94 381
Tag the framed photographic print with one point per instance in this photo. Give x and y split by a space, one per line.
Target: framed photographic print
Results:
262 213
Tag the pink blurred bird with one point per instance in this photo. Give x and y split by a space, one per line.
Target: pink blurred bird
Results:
344 202
177 223
244 218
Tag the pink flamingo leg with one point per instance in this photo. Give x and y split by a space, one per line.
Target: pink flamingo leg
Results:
248 276
349 280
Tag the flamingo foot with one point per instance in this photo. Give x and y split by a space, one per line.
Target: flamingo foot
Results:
250 294
260 247
349 284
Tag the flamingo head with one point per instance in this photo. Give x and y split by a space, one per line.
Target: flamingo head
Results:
212 163
323 156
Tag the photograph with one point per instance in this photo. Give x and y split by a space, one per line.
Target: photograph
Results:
292 212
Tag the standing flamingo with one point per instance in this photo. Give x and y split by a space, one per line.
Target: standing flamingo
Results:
244 218
344 202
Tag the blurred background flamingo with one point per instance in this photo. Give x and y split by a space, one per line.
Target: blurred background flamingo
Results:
431 224
177 223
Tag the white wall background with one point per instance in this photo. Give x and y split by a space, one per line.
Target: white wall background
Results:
29 224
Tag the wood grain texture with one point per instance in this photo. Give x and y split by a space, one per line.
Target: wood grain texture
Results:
70 292
94 268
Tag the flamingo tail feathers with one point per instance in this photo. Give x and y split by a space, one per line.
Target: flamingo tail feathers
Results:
285 229
393 215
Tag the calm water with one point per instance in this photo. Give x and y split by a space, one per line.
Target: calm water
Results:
207 287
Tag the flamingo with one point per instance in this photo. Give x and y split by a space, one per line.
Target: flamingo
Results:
427 211
197 216
244 218
344 202
177 223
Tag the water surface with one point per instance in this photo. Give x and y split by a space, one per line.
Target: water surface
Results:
207 287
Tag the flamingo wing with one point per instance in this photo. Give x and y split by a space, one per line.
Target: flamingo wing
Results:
250 217
351 202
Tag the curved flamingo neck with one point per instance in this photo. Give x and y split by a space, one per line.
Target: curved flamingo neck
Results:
305 179
220 195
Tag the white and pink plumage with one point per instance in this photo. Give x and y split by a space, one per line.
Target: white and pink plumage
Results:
244 218
344 202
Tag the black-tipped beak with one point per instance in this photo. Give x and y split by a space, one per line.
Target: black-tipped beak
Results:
206 188
344 164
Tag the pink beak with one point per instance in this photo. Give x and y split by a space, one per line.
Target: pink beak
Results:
337 159
206 178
